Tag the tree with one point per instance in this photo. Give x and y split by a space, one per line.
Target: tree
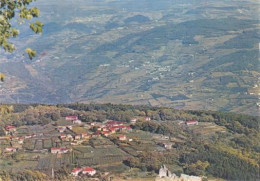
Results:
5 109
16 10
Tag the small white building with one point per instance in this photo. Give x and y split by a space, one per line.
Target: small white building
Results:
192 122
133 121
11 149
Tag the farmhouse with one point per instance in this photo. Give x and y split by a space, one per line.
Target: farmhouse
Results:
62 136
112 130
11 149
88 170
75 172
113 123
122 137
192 122
71 118
9 129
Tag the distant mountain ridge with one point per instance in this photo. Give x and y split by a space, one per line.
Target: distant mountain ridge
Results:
179 54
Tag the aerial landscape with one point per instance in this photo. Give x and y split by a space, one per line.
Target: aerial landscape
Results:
131 90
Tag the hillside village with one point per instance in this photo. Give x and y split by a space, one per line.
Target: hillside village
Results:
88 145
72 132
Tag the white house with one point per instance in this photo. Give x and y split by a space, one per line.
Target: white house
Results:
192 122
11 149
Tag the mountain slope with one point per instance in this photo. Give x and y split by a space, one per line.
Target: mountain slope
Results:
180 54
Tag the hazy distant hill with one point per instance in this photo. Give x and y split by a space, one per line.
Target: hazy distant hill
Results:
182 54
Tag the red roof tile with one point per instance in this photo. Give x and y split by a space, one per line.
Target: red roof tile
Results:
76 169
88 169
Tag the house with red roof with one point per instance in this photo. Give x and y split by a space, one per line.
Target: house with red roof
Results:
112 130
10 129
191 122
75 172
121 137
128 128
62 136
88 171
106 133
11 149
113 123
71 118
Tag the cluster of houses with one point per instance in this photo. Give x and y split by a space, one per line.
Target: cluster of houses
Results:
110 127
16 141
75 139
84 171
106 128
